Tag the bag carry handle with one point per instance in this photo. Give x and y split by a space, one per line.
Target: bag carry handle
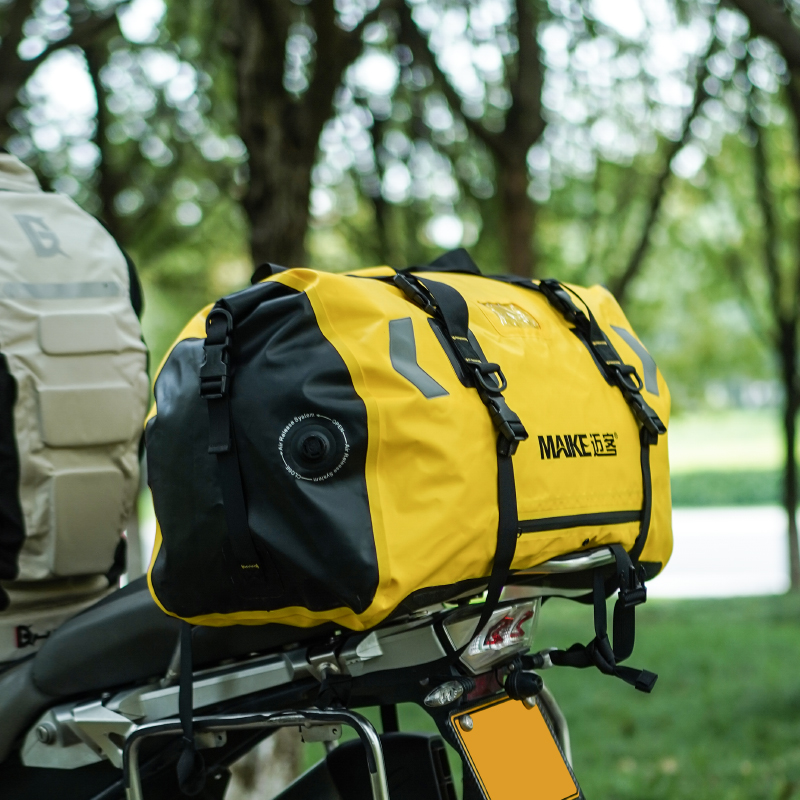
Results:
453 261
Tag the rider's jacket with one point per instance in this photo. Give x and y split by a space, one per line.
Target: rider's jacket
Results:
73 393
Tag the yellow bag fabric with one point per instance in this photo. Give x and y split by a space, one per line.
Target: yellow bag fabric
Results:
429 463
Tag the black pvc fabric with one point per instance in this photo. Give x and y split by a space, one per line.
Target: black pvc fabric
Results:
289 390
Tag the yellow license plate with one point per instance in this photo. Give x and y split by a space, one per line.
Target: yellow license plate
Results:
513 753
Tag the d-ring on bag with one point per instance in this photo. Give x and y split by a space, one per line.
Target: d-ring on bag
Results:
332 447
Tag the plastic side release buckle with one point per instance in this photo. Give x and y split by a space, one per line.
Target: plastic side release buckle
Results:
632 591
410 289
650 421
214 371
630 598
508 425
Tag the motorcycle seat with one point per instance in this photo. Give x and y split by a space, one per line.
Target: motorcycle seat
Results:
125 638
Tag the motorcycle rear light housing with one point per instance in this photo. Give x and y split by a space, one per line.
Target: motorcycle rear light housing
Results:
508 632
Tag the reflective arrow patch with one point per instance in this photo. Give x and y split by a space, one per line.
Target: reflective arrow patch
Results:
403 353
648 365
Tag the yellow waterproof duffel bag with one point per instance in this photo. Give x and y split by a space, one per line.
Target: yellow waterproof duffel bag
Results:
327 447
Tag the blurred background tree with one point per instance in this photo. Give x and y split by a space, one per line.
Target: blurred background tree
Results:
650 145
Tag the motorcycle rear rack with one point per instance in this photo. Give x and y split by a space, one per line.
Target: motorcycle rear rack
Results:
268 719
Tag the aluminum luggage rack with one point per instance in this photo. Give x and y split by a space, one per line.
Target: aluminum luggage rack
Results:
309 718
571 563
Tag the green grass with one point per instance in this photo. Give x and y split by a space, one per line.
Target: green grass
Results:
723 722
731 488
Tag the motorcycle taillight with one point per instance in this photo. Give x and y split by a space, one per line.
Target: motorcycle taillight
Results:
509 630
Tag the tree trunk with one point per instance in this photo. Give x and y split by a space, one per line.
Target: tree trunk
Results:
276 201
108 183
788 349
518 219
13 72
620 284
524 126
281 130
280 164
267 769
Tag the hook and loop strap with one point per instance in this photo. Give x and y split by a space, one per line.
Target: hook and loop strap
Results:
254 576
599 652
446 304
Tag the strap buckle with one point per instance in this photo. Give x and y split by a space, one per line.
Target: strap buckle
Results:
630 598
632 591
214 371
631 385
559 297
507 424
650 421
410 288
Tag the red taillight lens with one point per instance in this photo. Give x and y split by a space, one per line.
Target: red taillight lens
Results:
508 631
496 637
518 632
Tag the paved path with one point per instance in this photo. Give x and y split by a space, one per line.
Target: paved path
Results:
726 552
719 552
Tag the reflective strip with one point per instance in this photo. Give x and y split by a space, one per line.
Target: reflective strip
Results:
60 291
403 353
648 365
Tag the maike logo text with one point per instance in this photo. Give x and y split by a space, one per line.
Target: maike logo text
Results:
580 445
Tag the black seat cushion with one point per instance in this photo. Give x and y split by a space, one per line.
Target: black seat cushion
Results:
126 638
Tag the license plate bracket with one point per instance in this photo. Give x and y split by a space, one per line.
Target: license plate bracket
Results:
509 747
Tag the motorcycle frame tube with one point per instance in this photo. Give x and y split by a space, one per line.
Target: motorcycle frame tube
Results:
277 719
558 720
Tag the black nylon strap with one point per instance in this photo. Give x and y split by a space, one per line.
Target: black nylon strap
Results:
191 766
647 494
623 375
448 306
253 576
507 525
599 652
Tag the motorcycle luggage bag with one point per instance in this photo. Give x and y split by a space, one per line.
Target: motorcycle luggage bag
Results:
329 426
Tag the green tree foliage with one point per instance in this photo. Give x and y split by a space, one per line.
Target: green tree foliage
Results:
350 133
